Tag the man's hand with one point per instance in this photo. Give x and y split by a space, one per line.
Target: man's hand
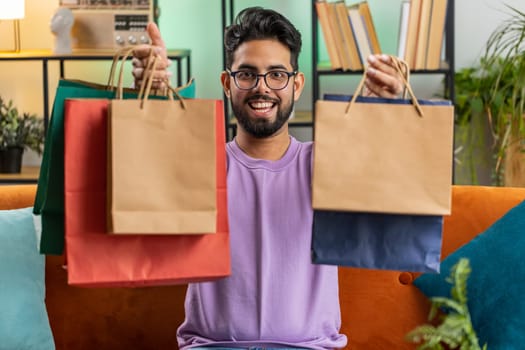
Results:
141 54
382 77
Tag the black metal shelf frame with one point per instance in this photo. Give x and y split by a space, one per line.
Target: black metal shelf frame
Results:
175 55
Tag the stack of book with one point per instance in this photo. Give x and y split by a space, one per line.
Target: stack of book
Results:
421 32
348 32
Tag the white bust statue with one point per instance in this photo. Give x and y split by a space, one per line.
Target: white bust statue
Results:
60 25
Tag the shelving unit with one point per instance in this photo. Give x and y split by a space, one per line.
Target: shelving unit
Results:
45 56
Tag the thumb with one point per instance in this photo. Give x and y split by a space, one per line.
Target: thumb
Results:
154 34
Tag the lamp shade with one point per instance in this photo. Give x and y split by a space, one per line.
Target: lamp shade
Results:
12 9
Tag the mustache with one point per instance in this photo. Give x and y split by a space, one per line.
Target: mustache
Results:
260 97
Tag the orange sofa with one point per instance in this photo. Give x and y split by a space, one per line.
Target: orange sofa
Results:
378 307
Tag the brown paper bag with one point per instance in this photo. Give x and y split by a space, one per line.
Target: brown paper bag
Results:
383 156
162 166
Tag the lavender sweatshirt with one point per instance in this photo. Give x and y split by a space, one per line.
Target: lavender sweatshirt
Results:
275 296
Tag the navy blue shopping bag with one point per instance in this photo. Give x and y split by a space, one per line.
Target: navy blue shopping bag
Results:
377 241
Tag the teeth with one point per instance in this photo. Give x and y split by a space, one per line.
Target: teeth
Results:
261 105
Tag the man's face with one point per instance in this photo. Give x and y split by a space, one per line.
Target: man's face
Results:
261 111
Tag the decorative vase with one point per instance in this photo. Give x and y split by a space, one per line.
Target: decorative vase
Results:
11 160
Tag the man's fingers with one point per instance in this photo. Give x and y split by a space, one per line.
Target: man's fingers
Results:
143 62
158 75
142 53
372 88
382 76
154 34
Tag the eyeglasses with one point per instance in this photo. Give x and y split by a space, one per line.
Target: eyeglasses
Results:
274 79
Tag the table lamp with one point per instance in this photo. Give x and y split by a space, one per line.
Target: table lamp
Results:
13 9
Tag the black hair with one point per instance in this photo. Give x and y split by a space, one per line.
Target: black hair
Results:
255 23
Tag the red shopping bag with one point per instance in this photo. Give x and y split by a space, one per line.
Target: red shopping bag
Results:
96 258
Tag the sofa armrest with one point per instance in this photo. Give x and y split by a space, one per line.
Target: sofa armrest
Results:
17 196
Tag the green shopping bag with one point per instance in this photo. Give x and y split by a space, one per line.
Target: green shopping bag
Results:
49 201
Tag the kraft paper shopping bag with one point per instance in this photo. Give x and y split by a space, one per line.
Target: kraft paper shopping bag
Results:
383 156
162 173
96 258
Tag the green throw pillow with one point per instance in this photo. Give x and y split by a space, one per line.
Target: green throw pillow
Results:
496 285
23 316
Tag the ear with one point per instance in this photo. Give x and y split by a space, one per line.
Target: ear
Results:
226 83
298 85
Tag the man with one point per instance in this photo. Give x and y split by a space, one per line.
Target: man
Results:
275 297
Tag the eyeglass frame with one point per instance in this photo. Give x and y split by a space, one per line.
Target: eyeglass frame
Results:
257 76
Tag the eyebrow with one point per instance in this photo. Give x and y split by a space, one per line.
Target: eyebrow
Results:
272 67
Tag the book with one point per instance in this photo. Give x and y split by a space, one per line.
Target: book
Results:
413 24
348 36
361 37
321 7
436 32
338 36
364 10
403 29
422 35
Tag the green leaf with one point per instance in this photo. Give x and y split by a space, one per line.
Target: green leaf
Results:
455 329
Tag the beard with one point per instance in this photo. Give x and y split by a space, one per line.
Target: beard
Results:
261 128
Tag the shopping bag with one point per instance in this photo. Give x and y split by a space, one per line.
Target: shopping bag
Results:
49 200
384 156
96 258
162 167
377 241
390 224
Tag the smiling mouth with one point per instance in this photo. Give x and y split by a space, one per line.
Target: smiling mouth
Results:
261 106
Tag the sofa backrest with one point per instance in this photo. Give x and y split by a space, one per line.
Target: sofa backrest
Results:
378 307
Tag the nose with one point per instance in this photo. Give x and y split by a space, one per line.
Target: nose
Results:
261 85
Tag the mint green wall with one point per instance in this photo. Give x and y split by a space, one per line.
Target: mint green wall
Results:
197 25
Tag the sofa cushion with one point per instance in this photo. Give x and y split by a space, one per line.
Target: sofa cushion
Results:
23 317
496 284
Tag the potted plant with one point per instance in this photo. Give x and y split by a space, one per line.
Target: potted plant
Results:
473 154
504 59
454 329
17 133
496 90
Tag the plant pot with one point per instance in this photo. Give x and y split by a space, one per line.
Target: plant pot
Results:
11 160
514 161
474 160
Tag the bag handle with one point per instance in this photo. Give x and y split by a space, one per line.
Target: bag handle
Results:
149 73
404 72
121 55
